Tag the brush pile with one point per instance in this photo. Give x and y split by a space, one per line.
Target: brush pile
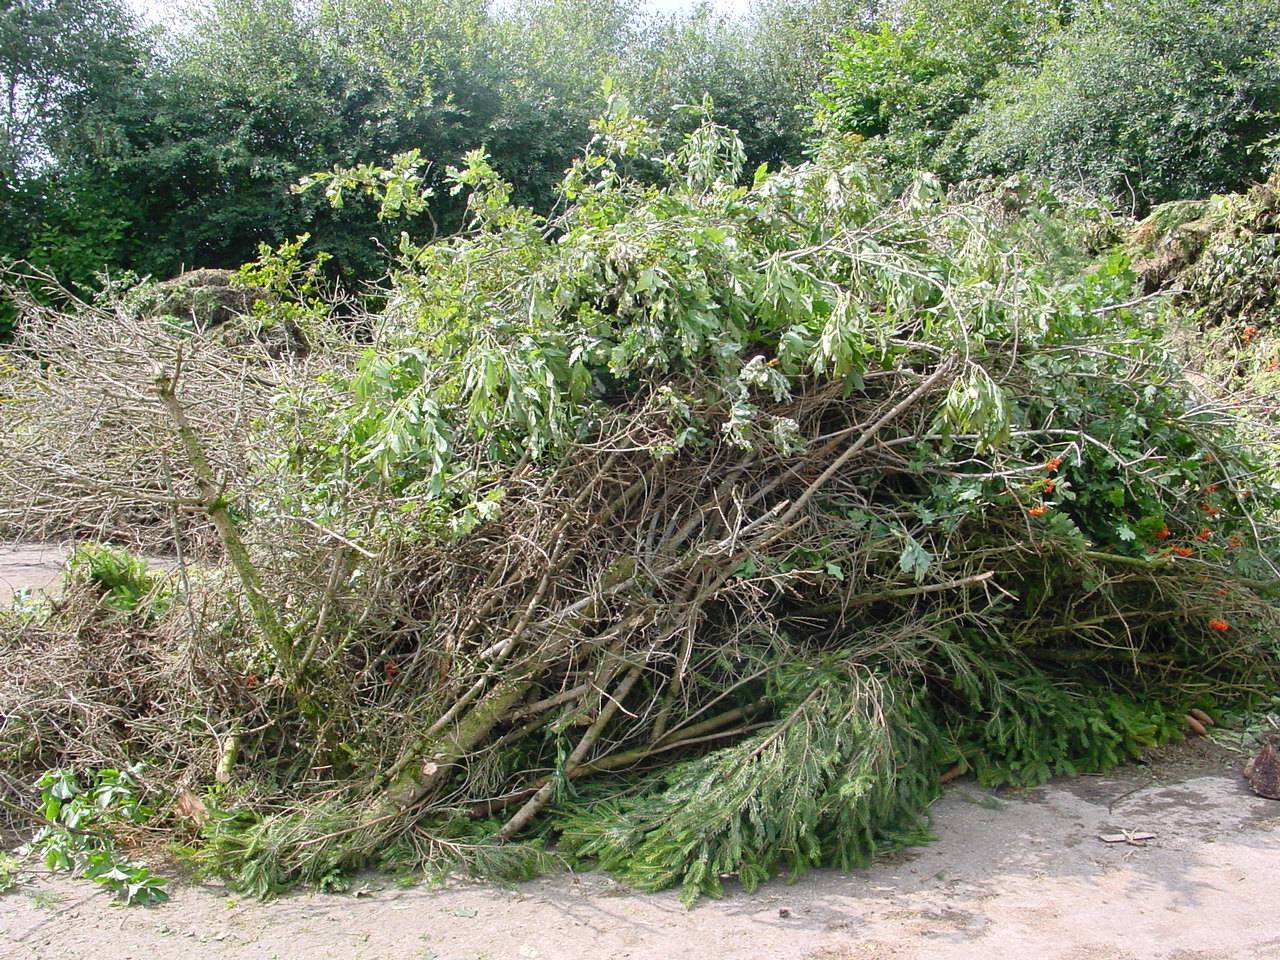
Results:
1219 261
699 530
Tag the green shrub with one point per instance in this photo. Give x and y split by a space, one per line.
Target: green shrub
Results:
1145 101
904 84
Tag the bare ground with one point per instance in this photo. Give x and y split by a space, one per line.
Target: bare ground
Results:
1012 875
33 566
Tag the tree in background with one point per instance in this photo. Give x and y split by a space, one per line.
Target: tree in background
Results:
66 68
553 58
1140 102
905 82
58 59
258 93
1144 101
179 149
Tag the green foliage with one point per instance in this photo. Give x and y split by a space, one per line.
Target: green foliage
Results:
400 189
81 815
159 153
845 772
1143 101
905 84
514 337
1044 730
759 71
11 874
152 159
465 846
57 59
266 850
68 227
1137 102
125 582
63 64
289 292
255 846
518 340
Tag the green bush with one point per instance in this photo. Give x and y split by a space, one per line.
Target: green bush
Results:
1145 101
1139 102
905 83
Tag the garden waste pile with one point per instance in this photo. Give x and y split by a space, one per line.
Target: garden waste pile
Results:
697 530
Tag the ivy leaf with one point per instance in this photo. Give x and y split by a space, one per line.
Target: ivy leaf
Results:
915 559
926 515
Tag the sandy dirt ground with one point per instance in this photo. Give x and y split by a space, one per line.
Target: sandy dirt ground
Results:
29 566
1013 875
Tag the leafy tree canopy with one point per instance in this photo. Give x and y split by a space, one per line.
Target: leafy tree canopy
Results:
1140 102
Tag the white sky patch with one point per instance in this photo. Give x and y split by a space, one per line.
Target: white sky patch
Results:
176 11
736 8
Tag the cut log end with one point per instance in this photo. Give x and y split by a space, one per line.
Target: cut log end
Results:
1263 772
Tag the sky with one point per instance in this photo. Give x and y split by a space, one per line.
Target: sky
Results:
735 7
158 11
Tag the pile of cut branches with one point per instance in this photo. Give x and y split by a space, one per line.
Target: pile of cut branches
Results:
1219 260
700 529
